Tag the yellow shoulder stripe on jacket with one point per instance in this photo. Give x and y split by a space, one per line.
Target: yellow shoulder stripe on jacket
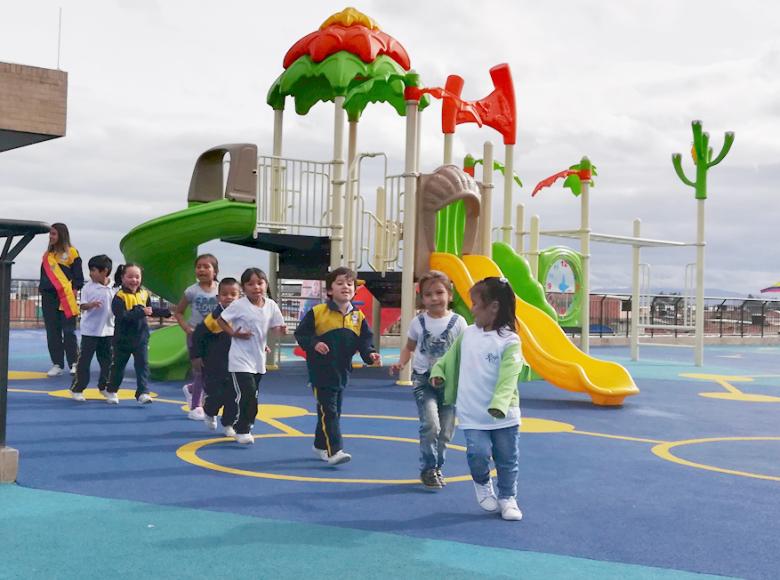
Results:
132 300
326 320
212 324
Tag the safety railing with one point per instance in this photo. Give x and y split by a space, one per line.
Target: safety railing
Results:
294 196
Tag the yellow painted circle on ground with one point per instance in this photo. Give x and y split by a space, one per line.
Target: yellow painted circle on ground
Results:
664 452
716 378
531 425
265 412
189 453
94 395
26 375
744 397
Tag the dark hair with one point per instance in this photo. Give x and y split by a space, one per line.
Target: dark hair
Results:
496 289
249 272
211 258
100 262
227 282
330 277
63 238
120 271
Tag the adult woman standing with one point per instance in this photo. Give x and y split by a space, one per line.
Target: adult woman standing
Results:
61 278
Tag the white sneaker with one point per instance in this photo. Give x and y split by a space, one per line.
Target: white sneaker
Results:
245 439
78 396
211 422
321 453
73 369
486 497
188 394
197 414
339 457
144 399
54 371
229 431
112 398
509 509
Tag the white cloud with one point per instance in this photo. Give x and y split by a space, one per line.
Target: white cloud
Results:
152 85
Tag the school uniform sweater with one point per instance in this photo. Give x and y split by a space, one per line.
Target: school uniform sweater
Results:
130 326
344 334
211 344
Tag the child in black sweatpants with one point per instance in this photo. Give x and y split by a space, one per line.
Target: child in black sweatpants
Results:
331 333
210 349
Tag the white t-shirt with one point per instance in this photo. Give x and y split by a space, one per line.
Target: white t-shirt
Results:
424 361
97 321
480 359
248 355
202 302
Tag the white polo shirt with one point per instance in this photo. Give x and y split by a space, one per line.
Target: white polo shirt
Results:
248 355
97 321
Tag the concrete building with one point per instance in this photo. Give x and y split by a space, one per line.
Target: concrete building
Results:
33 105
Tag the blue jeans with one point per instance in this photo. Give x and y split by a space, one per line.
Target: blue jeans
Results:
502 445
437 422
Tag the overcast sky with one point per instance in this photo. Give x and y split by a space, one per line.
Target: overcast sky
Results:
154 84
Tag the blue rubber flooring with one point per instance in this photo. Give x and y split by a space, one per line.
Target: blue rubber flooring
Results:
598 502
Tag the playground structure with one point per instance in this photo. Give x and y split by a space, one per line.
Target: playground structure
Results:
312 215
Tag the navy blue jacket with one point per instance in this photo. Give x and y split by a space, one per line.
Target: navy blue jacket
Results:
344 334
130 326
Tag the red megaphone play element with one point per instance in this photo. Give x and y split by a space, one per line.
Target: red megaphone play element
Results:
497 110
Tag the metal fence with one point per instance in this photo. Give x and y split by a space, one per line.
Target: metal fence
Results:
610 314
26 311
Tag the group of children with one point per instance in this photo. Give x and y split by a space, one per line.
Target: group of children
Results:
114 326
458 371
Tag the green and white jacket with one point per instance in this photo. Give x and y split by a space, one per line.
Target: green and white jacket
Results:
505 394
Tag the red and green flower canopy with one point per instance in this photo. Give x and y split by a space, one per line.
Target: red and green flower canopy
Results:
348 56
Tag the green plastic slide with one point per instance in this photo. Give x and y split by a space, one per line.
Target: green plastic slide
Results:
166 248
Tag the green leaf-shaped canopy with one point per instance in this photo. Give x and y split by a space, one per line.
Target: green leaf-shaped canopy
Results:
341 74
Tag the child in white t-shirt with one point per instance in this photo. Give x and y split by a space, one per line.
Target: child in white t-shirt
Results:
97 327
431 333
248 321
480 374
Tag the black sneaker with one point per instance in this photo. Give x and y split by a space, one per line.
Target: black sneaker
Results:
440 475
430 480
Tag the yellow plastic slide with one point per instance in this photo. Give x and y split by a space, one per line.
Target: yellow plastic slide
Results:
545 346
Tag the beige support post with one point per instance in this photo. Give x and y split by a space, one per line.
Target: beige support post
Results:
509 171
337 189
585 251
520 229
351 194
533 250
275 356
486 212
447 149
698 351
635 292
410 227
380 243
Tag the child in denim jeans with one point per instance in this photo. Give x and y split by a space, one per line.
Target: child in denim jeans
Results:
430 335
479 374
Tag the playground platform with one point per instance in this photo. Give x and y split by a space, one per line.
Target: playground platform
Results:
681 482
